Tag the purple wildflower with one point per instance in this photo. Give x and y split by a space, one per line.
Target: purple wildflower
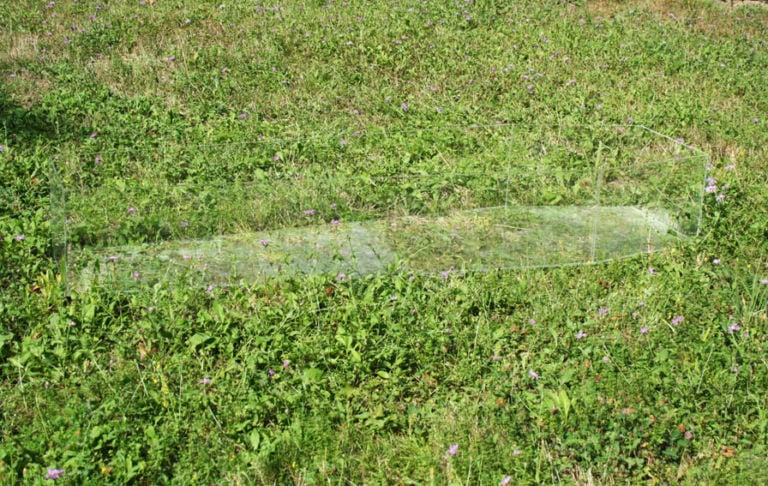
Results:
495 357
720 198
204 381
97 160
507 479
271 372
264 242
333 205
136 275
534 375
606 359
532 321
112 258
677 320
755 120
644 330
131 210
343 143
94 134
581 334
341 276
452 450
1 149
603 311
444 275
171 57
20 237
680 140
517 452
286 363
335 222
688 435
730 167
764 281
715 261
243 116
185 224
54 473
404 106
210 288
734 327
652 271
309 212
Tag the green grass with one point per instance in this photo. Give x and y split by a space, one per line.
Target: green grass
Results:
375 378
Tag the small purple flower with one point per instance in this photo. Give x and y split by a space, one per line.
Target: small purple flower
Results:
677 320
735 370
271 372
341 276
210 288
131 210
755 120
243 116
333 205
715 261
343 143
734 327
603 311
452 450
711 189
276 158
680 140
1 149
136 275
444 275
495 357
720 198
532 321
264 242
688 435
644 330
730 167
652 271
94 135
404 106
507 480
606 359
581 334
20 237
97 160
54 473
335 222
764 281
185 224
286 364
517 452
112 258
309 212
534 375
171 57
204 381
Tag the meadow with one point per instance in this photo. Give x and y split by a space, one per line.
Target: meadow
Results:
649 369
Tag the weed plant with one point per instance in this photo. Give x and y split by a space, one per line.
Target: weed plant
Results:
650 369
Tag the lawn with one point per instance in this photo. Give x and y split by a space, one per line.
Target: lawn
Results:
147 126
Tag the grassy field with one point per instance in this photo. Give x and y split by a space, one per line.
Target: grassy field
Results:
648 369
